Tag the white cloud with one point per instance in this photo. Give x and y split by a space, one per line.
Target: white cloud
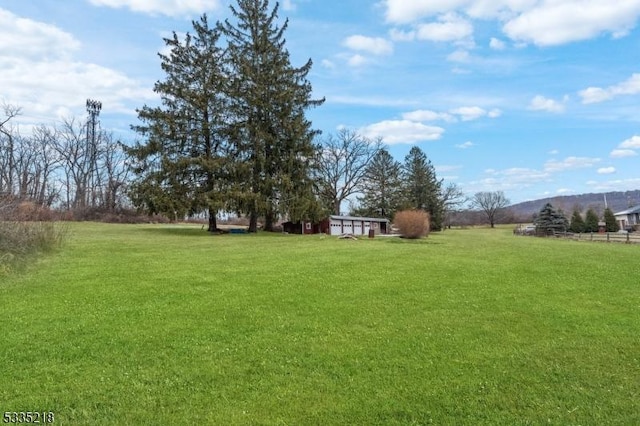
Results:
465 145
288 5
398 35
496 44
357 61
540 103
627 148
405 11
541 22
466 113
376 46
469 113
402 132
427 115
570 163
40 74
606 170
557 22
512 179
494 113
326 63
615 185
461 56
631 143
450 27
372 100
26 38
593 95
164 7
623 153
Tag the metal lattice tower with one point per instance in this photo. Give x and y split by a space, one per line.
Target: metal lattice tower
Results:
93 108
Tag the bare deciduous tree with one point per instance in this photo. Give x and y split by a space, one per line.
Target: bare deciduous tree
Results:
7 148
341 166
491 203
452 199
47 162
113 163
75 153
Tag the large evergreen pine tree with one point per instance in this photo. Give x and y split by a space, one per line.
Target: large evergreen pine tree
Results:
591 221
550 220
182 166
610 221
381 186
271 134
421 187
577 223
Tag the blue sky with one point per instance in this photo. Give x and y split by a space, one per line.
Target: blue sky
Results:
535 98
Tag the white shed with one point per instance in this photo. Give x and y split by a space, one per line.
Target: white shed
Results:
339 225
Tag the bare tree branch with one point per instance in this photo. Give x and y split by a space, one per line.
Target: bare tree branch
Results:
341 166
490 203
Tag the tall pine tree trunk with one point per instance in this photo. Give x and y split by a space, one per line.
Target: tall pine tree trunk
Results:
253 221
269 220
213 225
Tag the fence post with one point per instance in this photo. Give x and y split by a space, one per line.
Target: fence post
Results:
628 241
607 237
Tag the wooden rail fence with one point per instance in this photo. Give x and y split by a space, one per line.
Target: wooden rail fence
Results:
608 237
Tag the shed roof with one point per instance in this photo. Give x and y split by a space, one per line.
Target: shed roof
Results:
366 219
632 210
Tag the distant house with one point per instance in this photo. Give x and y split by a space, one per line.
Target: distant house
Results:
628 218
339 225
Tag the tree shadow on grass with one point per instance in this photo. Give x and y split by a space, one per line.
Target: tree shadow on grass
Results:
179 230
198 231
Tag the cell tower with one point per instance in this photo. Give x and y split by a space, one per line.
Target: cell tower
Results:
93 108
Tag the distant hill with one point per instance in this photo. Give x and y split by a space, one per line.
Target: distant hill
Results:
617 201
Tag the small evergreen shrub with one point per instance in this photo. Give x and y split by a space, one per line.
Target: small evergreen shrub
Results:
412 223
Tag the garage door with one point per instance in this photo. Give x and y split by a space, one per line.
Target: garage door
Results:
336 227
347 227
357 228
367 227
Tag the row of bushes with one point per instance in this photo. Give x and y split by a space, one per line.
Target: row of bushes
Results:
17 210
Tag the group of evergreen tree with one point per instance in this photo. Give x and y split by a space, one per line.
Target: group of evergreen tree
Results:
389 186
231 132
590 223
550 220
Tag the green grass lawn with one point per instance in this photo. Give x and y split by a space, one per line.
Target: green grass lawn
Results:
159 324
